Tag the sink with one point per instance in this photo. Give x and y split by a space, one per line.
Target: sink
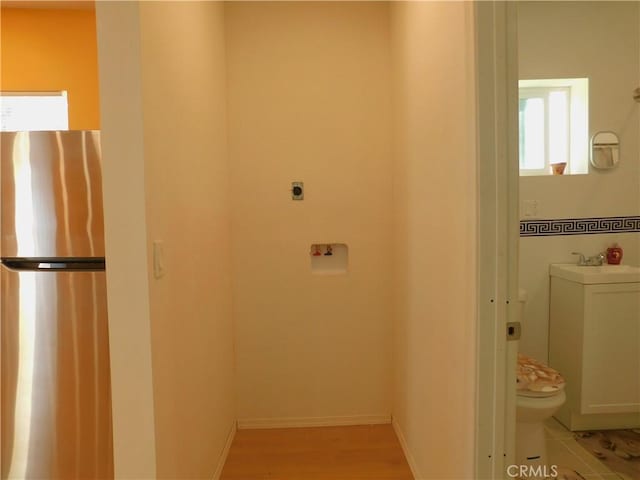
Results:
600 274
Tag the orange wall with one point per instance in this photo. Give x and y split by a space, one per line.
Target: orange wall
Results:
45 50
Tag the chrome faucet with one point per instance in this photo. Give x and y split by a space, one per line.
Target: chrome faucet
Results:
594 261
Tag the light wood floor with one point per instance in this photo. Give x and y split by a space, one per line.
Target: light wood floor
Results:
336 453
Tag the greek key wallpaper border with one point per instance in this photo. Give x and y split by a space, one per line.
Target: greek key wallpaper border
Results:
579 226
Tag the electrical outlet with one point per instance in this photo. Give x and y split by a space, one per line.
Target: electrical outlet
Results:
297 190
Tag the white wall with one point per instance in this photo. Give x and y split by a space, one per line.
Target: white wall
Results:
121 118
434 236
186 172
166 178
601 41
309 100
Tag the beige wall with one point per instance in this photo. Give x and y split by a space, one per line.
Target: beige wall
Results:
567 39
184 97
309 100
434 236
166 178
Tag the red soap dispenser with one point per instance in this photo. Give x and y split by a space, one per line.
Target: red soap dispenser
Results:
614 255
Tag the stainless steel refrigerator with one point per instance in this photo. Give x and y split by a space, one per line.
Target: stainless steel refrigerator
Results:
55 388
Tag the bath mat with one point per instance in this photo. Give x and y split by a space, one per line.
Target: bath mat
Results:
568 474
619 450
562 473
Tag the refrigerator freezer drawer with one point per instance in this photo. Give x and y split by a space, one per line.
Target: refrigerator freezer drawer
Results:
55 390
51 194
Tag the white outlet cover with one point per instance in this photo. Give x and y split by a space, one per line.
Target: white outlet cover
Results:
158 259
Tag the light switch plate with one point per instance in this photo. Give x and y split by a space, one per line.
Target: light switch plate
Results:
158 259
530 208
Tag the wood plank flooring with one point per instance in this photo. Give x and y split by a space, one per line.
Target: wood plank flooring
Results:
323 453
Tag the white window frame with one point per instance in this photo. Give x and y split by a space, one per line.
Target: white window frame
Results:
578 121
544 94
24 119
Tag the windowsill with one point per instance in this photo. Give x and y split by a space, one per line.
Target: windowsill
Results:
538 175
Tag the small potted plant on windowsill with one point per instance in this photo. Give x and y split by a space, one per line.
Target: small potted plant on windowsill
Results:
558 168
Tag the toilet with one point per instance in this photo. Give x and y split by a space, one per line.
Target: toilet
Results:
539 394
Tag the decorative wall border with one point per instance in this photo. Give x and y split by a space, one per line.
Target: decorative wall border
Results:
579 226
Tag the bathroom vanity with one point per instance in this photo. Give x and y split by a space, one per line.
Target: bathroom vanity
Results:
594 342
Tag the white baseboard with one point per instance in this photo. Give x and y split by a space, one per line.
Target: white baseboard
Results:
293 422
405 448
225 451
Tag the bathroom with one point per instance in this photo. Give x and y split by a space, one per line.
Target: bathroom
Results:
558 40
372 107
610 61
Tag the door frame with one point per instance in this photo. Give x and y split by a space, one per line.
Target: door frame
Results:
498 232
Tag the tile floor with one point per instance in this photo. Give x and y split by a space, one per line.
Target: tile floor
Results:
564 451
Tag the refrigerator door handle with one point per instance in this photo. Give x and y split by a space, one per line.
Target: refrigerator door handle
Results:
55 264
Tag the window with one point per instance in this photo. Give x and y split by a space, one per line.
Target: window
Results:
553 125
24 111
